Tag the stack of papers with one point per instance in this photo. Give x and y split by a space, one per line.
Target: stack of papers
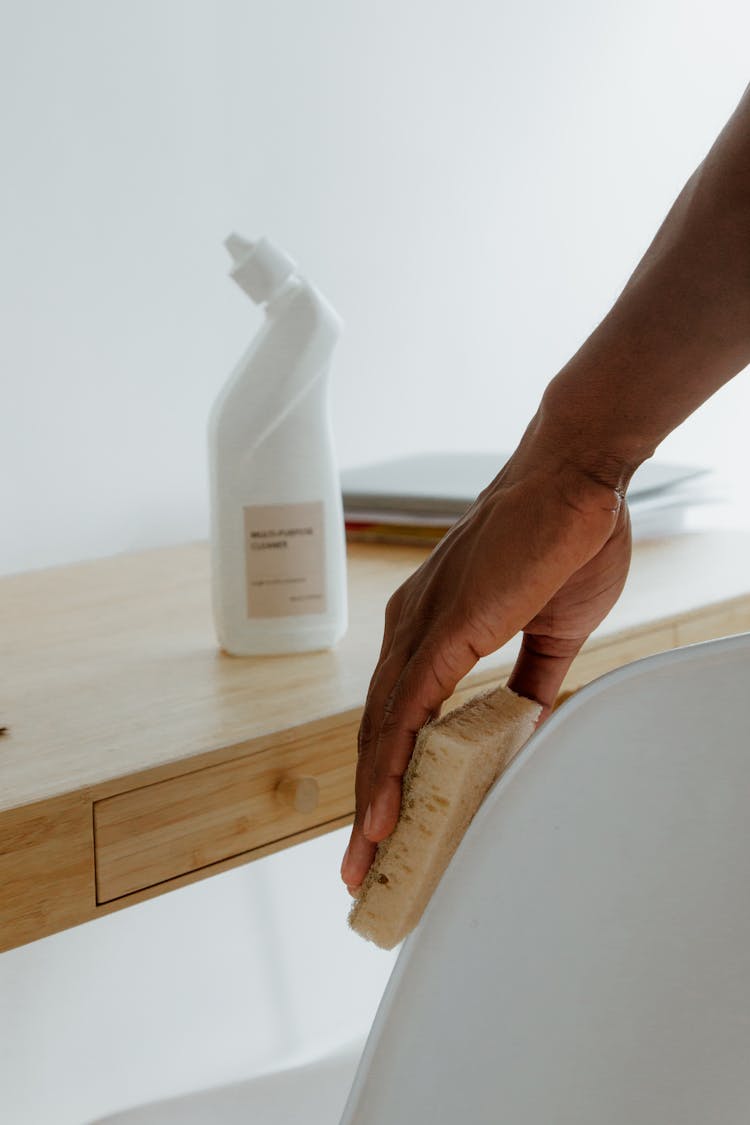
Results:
416 499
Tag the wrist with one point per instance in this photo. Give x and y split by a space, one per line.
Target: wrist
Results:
561 485
588 430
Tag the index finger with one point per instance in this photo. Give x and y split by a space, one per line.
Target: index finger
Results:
360 851
415 699
394 718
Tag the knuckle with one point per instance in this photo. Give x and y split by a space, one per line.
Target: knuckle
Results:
393 608
386 769
381 777
392 615
417 686
392 711
364 736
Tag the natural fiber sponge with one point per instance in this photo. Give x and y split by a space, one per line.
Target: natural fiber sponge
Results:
455 761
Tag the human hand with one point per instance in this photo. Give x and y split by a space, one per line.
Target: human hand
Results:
546 549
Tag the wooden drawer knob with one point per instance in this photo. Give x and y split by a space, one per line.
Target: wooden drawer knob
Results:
299 793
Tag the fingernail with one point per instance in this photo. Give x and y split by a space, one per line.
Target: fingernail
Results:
367 821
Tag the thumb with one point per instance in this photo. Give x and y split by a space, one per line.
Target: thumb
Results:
541 667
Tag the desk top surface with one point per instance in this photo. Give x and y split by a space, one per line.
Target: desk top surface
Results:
111 667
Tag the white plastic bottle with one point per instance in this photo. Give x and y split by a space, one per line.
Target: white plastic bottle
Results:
278 550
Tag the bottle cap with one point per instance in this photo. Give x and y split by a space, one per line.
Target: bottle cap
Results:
260 268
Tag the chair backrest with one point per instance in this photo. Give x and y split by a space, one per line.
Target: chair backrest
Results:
586 957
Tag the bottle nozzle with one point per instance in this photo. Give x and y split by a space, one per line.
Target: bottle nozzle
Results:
260 268
238 247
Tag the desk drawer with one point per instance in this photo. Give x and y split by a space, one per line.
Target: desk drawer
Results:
158 832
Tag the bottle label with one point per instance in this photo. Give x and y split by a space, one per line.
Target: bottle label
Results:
285 559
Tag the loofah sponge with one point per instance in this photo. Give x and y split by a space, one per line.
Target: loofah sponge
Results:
455 761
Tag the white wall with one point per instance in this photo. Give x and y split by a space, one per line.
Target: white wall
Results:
239 974
471 185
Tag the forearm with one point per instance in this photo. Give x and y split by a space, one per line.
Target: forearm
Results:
545 548
679 330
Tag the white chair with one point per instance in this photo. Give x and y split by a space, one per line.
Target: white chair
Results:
308 1095
586 957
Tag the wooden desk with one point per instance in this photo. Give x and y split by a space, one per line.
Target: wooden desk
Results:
138 758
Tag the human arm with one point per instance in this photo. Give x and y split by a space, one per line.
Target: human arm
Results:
546 546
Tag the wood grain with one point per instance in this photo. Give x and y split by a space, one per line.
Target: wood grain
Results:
158 832
119 705
46 868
